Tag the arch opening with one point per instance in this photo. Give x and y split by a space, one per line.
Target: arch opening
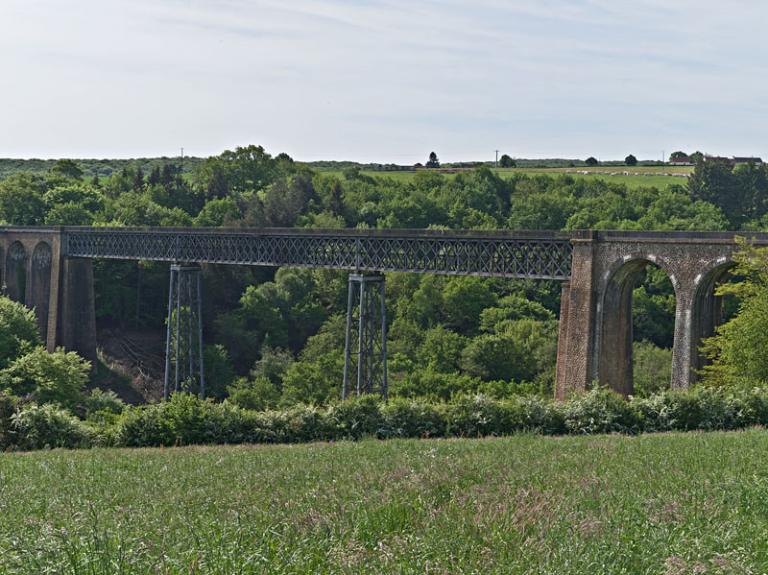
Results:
637 329
40 284
16 272
710 310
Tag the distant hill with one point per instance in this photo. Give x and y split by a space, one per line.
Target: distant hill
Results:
92 167
106 167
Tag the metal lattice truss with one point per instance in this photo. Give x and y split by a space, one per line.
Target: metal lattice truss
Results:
545 255
365 346
184 369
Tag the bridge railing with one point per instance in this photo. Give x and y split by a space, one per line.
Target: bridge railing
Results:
538 255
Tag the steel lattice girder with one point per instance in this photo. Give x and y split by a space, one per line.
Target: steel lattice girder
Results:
543 256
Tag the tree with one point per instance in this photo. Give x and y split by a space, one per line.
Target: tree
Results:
591 161
433 161
630 160
21 200
679 156
507 162
18 330
737 350
68 169
58 377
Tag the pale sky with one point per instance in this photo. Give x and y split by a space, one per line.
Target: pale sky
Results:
383 80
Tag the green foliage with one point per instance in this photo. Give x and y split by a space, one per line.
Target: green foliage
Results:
18 330
48 426
600 411
21 200
218 212
517 353
7 409
43 377
737 349
219 373
68 169
357 417
412 418
99 400
652 368
188 420
506 161
257 394
433 161
630 160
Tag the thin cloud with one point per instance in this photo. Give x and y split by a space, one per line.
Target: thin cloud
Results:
382 80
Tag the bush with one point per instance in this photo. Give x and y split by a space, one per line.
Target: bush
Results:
144 426
187 419
7 409
99 400
296 424
412 418
476 416
49 426
541 416
358 417
703 408
599 411
18 330
43 377
257 394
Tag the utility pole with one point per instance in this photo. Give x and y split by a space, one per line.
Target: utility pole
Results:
182 160
497 159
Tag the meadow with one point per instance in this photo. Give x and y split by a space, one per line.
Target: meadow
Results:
665 503
632 177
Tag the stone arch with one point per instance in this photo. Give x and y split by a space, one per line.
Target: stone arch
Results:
40 284
706 309
16 272
614 319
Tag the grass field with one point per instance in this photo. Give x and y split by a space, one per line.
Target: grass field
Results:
669 504
639 176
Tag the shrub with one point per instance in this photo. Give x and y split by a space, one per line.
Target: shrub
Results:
218 370
412 418
599 411
296 424
476 416
357 417
541 415
100 400
18 330
257 394
7 409
49 426
194 421
43 377
701 408
144 426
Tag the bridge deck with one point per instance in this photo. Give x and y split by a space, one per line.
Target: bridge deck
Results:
513 254
538 255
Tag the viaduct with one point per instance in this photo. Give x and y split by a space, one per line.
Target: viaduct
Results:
49 269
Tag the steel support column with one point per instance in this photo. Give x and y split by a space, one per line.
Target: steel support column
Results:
365 349
184 369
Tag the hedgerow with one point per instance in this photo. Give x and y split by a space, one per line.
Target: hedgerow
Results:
188 420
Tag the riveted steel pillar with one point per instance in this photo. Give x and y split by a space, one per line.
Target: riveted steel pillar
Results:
365 349
184 369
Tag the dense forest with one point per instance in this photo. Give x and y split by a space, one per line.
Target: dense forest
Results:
275 336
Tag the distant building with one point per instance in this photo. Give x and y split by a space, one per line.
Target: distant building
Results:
754 160
735 160
680 159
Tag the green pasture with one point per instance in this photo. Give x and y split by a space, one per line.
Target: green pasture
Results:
639 176
665 503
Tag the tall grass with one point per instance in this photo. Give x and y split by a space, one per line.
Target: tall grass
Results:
663 503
